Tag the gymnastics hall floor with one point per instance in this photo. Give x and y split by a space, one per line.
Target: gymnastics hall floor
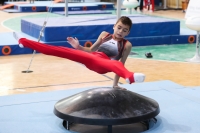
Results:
173 84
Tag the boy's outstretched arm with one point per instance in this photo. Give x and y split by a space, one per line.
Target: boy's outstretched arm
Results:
75 43
125 54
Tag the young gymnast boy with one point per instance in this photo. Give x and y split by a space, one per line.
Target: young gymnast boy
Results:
107 54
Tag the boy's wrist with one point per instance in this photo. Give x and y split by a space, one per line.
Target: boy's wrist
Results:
115 86
78 47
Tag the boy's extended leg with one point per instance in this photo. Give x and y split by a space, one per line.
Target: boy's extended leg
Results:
63 52
88 59
96 61
118 68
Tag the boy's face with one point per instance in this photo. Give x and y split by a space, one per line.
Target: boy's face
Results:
121 30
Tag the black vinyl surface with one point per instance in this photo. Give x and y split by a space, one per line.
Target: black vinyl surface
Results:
106 106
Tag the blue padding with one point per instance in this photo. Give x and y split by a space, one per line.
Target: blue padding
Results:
42 6
85 28
7 39
149 28
75 8
105 7
181 39
30 9
136 41
65 44
15 50
83 12
82 6
152 40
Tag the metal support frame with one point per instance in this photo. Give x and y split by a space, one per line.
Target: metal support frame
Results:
119 3
66 8
196 57
165 4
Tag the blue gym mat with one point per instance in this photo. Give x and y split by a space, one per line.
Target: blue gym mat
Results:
88 28
7 39
84 12
33 113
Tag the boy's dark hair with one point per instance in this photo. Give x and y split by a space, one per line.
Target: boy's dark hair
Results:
126 21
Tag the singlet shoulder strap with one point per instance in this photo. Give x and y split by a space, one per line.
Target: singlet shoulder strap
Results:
121 45
107 38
